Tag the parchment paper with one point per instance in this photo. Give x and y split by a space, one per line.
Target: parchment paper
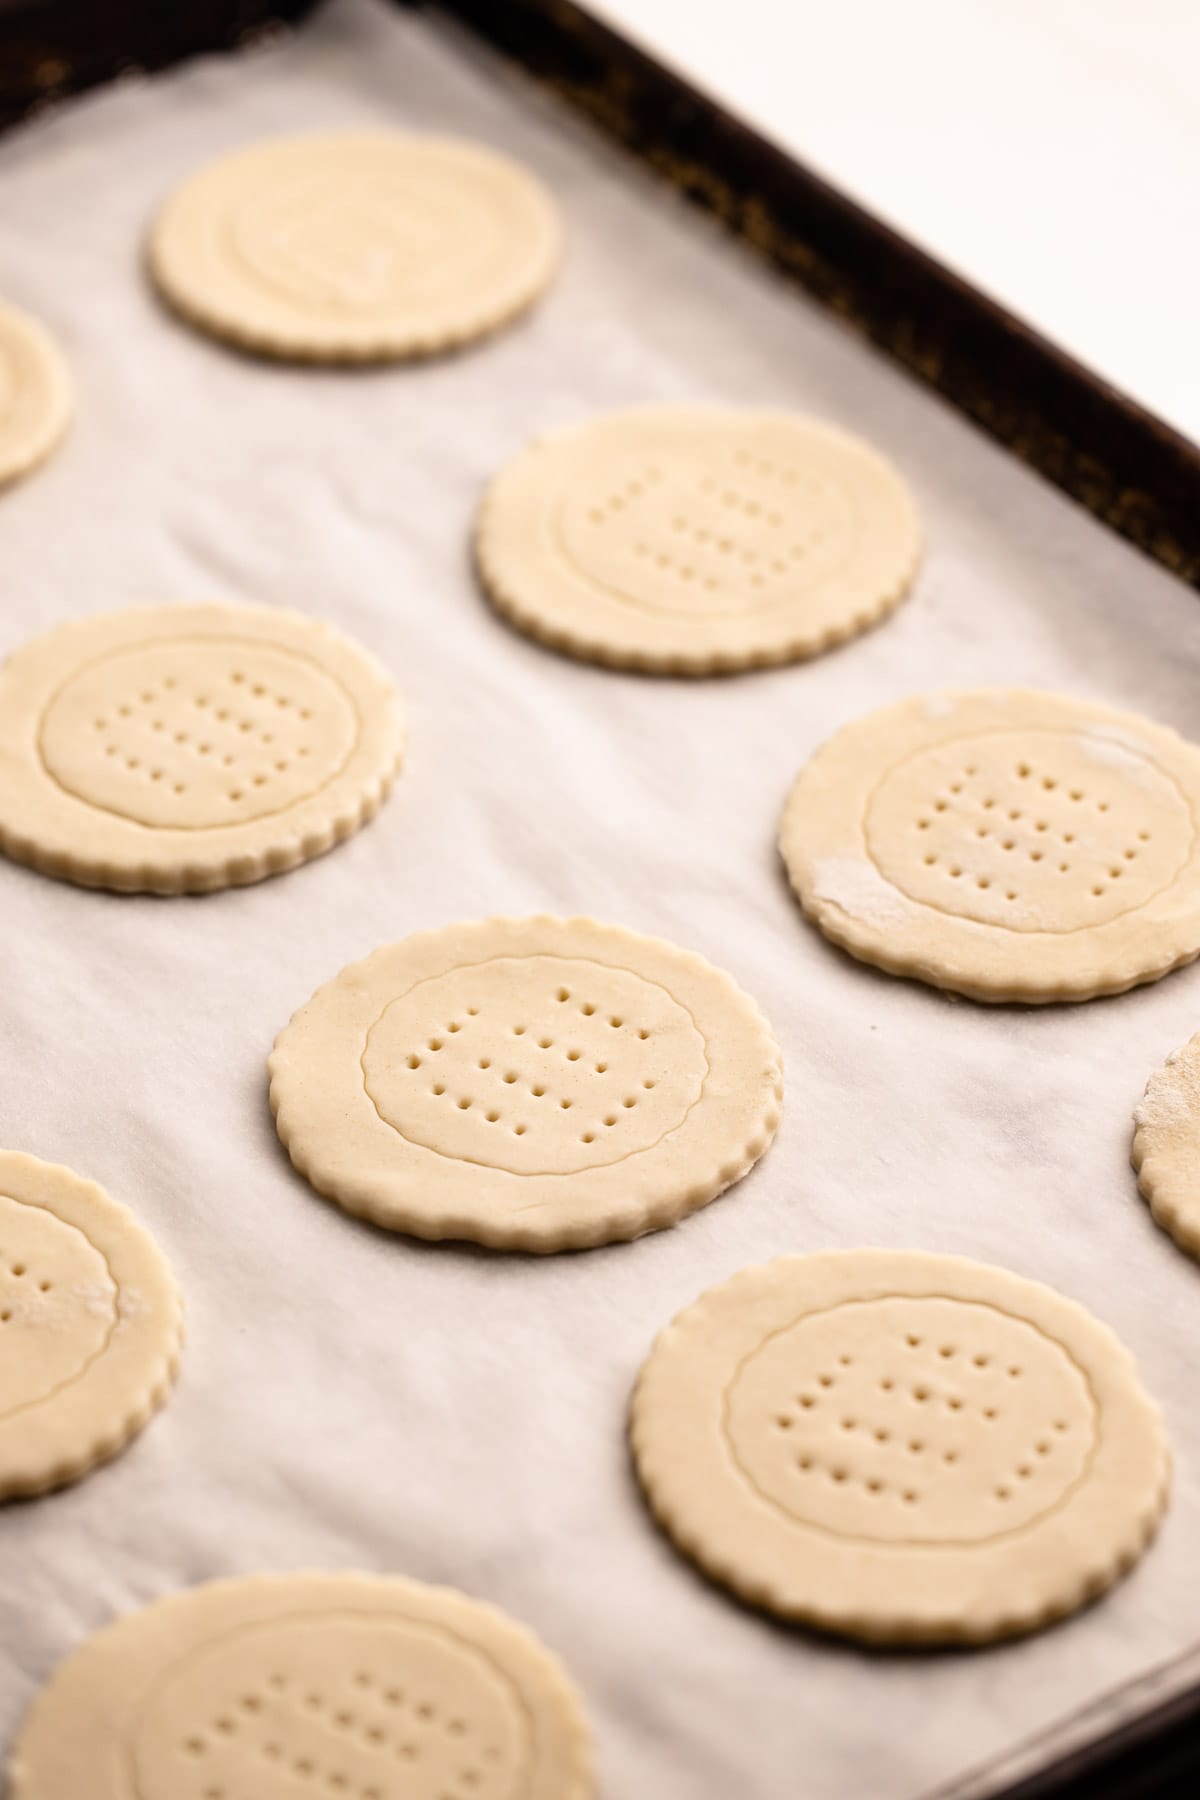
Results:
349 1398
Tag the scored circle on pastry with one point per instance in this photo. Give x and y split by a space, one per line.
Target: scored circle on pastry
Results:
697 539
90 1326
900 1447
537 1084
347 1684
1004 843
355 246
186 748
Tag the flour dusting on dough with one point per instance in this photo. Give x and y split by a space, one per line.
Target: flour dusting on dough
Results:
938 706
67 1303
1117 750
1172 1097
132 1303
1163 1103
856 887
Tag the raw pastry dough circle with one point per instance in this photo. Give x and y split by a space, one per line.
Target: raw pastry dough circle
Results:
1166 1146
899 1447
1006 844
535 1084
342 1683
90 1326
694 540
182 749
355 246
35 394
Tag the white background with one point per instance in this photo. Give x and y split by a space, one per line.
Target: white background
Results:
1048 150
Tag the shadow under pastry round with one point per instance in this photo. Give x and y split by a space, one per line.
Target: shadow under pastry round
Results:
91 1325
1006 844
183 749
899 1447
35 394
530 1084
344 1684
697 540
364 246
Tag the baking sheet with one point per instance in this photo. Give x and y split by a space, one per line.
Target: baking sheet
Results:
353 1399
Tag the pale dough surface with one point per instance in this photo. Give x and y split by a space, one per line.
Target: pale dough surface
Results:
261 1689
35 393
903 1447
1006 844
181 749
1166 1145
355 246
699 539
90 1326
532 1084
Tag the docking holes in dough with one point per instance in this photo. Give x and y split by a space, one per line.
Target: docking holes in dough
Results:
180 749
90 1326
537 1084
695 540
899 1447
1008 845
352 1686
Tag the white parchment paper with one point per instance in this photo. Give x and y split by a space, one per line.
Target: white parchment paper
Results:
349 1398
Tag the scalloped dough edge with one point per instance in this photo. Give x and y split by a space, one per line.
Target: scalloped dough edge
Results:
1164 1210
160 1380
387 346
488 322
871 1628
172 878
837 926
955 1629
503 590
840 926
551 1669
200 877
505 598
637 1220
41 444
